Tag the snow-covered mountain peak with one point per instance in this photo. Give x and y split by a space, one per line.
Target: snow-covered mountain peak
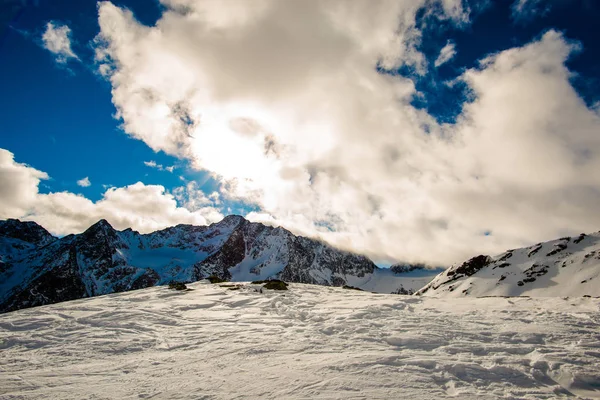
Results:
569 266
101 229
231 221
101 225
26 231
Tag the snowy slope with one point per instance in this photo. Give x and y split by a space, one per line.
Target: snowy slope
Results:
37 269
395 280
569 266
312 342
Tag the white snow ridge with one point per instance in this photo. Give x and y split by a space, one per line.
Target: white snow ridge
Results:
311 342
569 266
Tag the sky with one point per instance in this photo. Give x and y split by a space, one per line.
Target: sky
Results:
424 131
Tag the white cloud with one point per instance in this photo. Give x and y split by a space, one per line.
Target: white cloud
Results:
160 167
142 207
446 54
282 102
526 10
194 199
56 39
151 164
18 185
85 182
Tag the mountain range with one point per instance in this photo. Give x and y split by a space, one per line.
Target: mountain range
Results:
37 268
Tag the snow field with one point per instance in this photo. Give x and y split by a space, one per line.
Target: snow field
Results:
311 342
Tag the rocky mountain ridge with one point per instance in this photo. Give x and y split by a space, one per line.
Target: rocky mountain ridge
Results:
569 266
37 268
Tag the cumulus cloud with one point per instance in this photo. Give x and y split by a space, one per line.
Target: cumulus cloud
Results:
18 185
160 167
192 198
446 54
142 207
283 103
57 40
85 182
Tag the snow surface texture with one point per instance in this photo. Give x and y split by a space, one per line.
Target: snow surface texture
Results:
311 342
38 269
569 266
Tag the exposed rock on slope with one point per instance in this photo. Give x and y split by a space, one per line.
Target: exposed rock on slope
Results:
37 268
569 266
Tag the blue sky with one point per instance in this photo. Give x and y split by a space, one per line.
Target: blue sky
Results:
60 118
494 28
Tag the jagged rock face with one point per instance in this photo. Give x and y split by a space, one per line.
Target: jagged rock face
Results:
60 283
231 253
37 268
469 267
28 232
18 238
563 267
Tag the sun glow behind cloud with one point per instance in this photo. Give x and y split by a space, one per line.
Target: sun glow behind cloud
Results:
294 118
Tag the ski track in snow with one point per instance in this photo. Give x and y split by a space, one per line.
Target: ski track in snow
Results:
310 342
